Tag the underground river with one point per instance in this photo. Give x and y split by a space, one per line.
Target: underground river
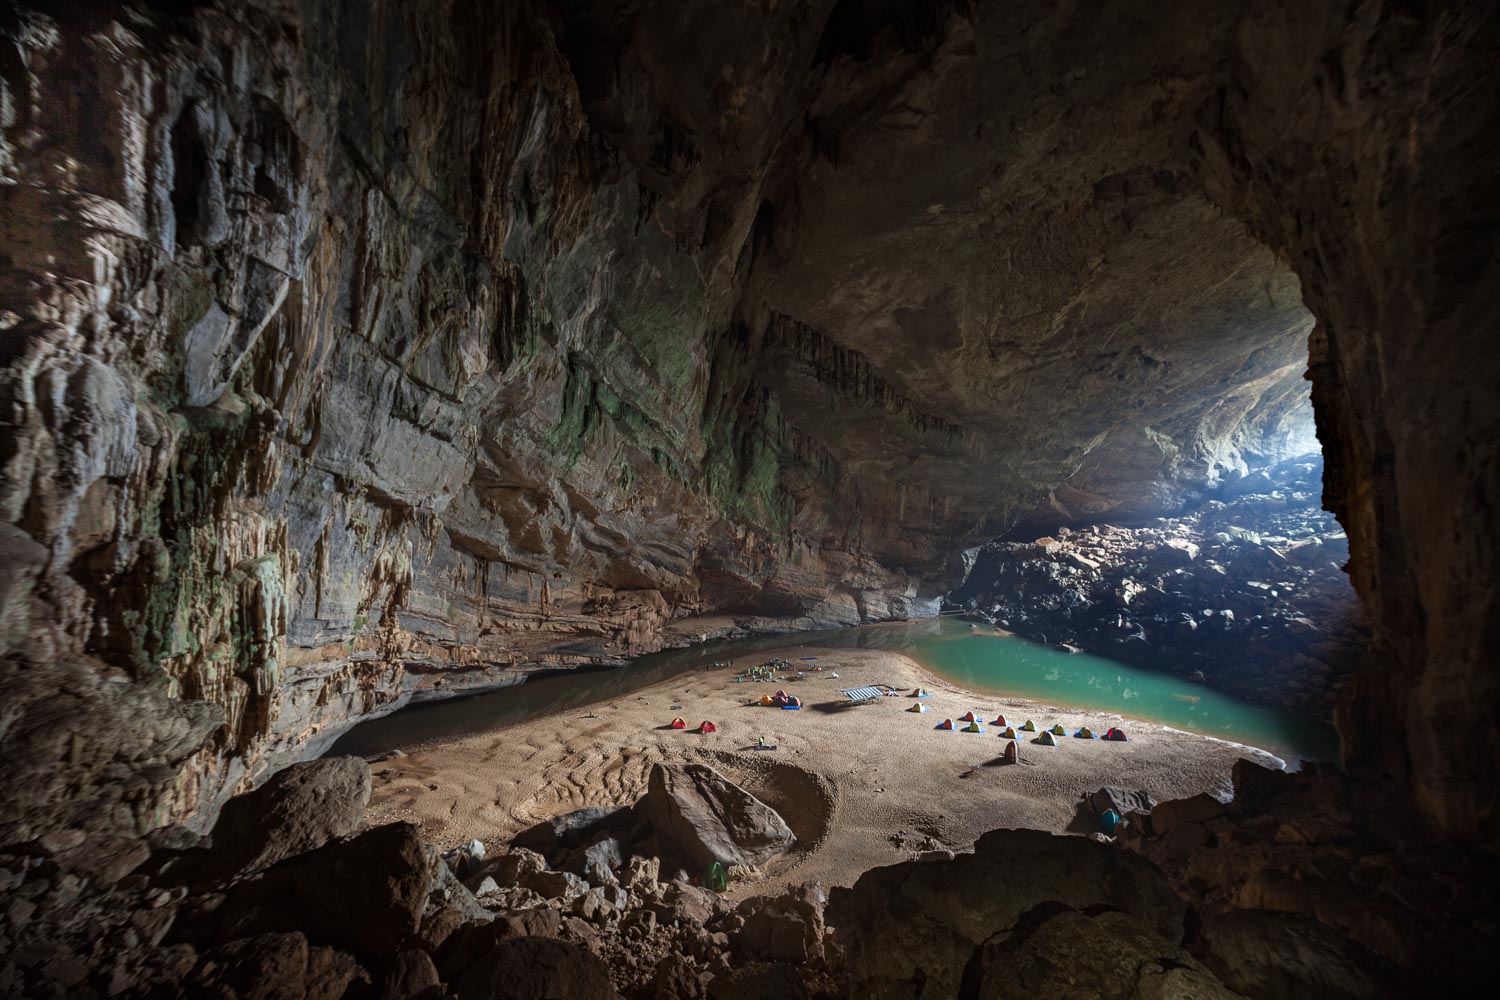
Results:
974 658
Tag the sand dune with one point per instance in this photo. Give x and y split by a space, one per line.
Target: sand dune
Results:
860 786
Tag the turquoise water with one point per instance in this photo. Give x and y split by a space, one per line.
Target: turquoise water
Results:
1008 665
950 648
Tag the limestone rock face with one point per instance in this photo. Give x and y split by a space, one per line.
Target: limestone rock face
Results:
365 352
710 818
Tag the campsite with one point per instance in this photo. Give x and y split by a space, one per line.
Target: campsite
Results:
852 776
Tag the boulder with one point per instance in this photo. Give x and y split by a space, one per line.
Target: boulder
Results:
529 968
299 809
556 885
573 829
367 894
511 868
1076 954
275 965
1264 955
910 929
709 818
1199 808
411 974
1120 800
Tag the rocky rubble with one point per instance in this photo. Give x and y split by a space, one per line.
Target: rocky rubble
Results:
1246 592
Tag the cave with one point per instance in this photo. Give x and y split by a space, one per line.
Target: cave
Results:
414 412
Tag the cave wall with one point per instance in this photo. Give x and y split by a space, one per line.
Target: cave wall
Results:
360 351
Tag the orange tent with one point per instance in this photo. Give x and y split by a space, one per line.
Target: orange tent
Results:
707 727
1011 753
679 723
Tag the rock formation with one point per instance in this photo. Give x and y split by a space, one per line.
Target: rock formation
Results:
1246 592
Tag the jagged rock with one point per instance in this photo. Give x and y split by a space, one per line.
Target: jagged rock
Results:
711 819
411 974
674 979
1107 955
597 861
556 885
1120 800
760 981
275 965
574 829
601 904
527 968
1198 809
911 929
1269 955
300 808
366 894
511 868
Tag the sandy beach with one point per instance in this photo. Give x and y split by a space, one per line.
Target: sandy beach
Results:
861 786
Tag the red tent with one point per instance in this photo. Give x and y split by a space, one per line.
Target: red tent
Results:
707 727
967 717
999 721
946 724
1116 734
679 723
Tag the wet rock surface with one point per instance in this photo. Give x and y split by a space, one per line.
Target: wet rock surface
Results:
1246 592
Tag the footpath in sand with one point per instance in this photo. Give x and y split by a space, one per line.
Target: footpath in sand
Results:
861 786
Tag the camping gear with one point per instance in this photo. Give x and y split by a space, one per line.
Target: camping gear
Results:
973 727
1117 735
717 878
1009 733
679 723
998 720
1011 754
968 717
919 708
792 705
946 725
1108 820
1084 734
1047 739
861 696
919 693
707 727
1058 730
766 699
1028 726
807 657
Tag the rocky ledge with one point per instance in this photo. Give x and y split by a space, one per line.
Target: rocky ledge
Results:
1299 886
1246 592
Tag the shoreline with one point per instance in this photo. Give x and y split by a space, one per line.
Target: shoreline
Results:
861 786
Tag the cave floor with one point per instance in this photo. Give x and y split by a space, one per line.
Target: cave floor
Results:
861 786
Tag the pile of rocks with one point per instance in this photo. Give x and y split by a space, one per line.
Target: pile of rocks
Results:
292 896
1246 592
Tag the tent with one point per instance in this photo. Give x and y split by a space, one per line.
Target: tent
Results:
1028 726
1116 734
1010 733
707 727
1085 733
919 693
973 727
946 725
1108 820
1047 739
1058 730
968 717
918 707
1011 754
679 723
999 720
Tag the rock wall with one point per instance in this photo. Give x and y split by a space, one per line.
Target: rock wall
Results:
361 349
